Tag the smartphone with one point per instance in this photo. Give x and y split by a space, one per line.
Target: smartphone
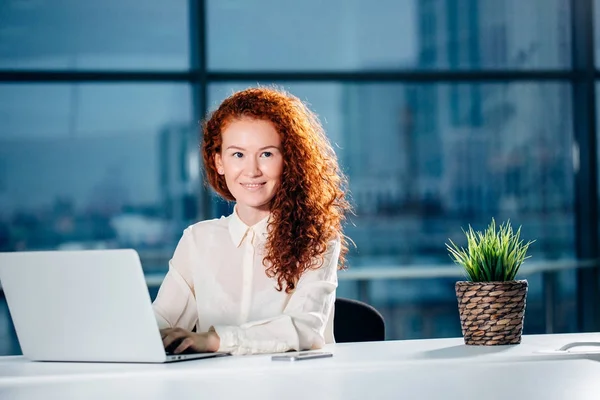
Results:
301 355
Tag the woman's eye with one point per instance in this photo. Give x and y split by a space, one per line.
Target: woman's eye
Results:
267 154
237 154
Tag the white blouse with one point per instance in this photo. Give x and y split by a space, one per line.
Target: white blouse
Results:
216 278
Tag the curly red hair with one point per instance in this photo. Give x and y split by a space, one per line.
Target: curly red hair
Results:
310 205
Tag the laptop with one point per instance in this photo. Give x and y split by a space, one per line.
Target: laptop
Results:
83 306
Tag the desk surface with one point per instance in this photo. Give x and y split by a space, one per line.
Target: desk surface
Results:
420 369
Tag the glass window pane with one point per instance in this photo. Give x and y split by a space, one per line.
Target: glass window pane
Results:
426 160
388 34
97 166
101 35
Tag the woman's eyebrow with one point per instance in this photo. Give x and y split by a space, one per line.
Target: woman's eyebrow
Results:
233 147
269 147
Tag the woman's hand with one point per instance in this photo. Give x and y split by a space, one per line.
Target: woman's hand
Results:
206 342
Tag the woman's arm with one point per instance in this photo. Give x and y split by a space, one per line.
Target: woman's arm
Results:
175 303
303 321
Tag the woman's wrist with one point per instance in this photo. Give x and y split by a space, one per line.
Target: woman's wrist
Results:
213 341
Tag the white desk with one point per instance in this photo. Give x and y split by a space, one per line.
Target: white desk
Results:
420 369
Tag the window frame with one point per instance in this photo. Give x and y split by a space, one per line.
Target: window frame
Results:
582 77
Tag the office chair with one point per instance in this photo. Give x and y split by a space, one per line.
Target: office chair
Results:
355 321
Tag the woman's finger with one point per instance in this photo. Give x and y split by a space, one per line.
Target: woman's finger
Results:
187 342
171 337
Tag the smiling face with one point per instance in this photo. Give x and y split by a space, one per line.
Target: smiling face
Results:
251 161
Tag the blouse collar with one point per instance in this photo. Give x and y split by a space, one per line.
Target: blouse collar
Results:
239 230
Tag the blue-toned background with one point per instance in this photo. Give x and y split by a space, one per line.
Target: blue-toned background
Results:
444 113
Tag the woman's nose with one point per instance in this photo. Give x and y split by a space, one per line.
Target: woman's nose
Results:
252 167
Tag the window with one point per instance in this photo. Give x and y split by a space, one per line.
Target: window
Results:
105 35
85 163
341 35
89 162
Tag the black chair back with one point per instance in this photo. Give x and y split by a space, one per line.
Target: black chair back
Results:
355 321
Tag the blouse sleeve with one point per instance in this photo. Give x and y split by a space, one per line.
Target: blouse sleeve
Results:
175 303
303 321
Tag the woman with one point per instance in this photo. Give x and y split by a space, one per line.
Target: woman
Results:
263 279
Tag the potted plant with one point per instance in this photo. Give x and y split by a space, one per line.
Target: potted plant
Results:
491 302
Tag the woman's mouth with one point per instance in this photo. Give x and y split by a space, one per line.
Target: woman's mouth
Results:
253 186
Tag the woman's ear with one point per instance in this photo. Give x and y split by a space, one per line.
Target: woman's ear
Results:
219 164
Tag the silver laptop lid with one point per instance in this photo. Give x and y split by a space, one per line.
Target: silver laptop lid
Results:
90 305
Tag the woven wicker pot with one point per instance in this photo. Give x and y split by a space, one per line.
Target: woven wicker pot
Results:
491 313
